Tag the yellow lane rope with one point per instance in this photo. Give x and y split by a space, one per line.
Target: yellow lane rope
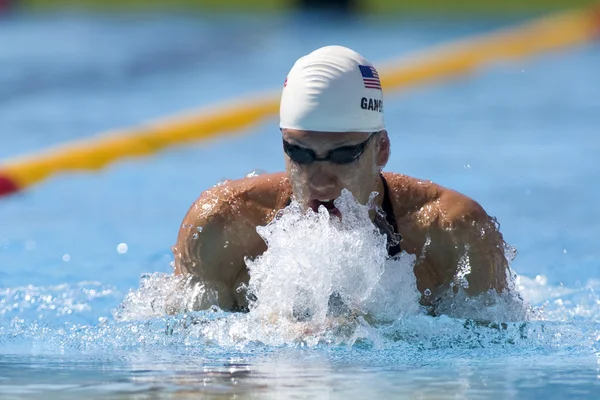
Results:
545 34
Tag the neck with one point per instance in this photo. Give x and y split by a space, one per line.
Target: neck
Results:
378 201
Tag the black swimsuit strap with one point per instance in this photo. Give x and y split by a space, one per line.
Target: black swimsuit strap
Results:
394 237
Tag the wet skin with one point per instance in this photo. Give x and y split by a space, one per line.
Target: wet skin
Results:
439 226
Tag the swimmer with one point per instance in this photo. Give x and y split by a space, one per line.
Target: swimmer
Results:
334 137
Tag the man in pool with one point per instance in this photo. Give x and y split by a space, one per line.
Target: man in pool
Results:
334 137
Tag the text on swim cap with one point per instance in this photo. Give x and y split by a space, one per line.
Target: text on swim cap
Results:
371 104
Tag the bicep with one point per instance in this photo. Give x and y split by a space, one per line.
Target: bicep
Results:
205 248
195 251
478 252
203 251
472 248
483 258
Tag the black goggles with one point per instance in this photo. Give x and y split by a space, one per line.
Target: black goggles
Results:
339 155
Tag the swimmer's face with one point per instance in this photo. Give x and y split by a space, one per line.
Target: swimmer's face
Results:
320 182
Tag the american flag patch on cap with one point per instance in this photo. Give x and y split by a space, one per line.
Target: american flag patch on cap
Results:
370 77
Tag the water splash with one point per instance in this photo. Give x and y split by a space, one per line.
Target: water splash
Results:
256 172
57 302
317 266
140 325
321 280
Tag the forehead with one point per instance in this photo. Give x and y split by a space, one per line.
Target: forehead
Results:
329 139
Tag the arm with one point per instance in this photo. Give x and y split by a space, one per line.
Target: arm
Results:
228 215
209 250
469 248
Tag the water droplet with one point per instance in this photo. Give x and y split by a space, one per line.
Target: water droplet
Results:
200 229
427 292
541 279
195 236
66 257
256 172
565 251
122 248
558 302
226 243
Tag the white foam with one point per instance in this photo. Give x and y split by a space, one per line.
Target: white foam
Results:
312 256
321 279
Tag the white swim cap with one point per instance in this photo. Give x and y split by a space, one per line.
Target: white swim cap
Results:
333 89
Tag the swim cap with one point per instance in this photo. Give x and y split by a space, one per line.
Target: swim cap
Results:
332 89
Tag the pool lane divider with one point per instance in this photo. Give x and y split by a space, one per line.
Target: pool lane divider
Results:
97 152
550 33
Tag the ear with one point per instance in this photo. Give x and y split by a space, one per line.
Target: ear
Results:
383 149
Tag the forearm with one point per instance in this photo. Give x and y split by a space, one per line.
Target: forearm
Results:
190 294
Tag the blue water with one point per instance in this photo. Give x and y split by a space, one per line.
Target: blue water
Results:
521 138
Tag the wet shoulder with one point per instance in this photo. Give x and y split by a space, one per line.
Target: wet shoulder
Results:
428 203
409 193
265 194
252 197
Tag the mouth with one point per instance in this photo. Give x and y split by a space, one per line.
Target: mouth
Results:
314 204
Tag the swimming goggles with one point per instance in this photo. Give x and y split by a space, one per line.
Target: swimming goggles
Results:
339 155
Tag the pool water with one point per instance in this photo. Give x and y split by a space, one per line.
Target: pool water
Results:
85 257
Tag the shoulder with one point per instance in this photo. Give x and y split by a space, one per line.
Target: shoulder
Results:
265 190
226 216
409 190
249 200
431 203
459 209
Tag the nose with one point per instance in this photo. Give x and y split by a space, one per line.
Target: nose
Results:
321 181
